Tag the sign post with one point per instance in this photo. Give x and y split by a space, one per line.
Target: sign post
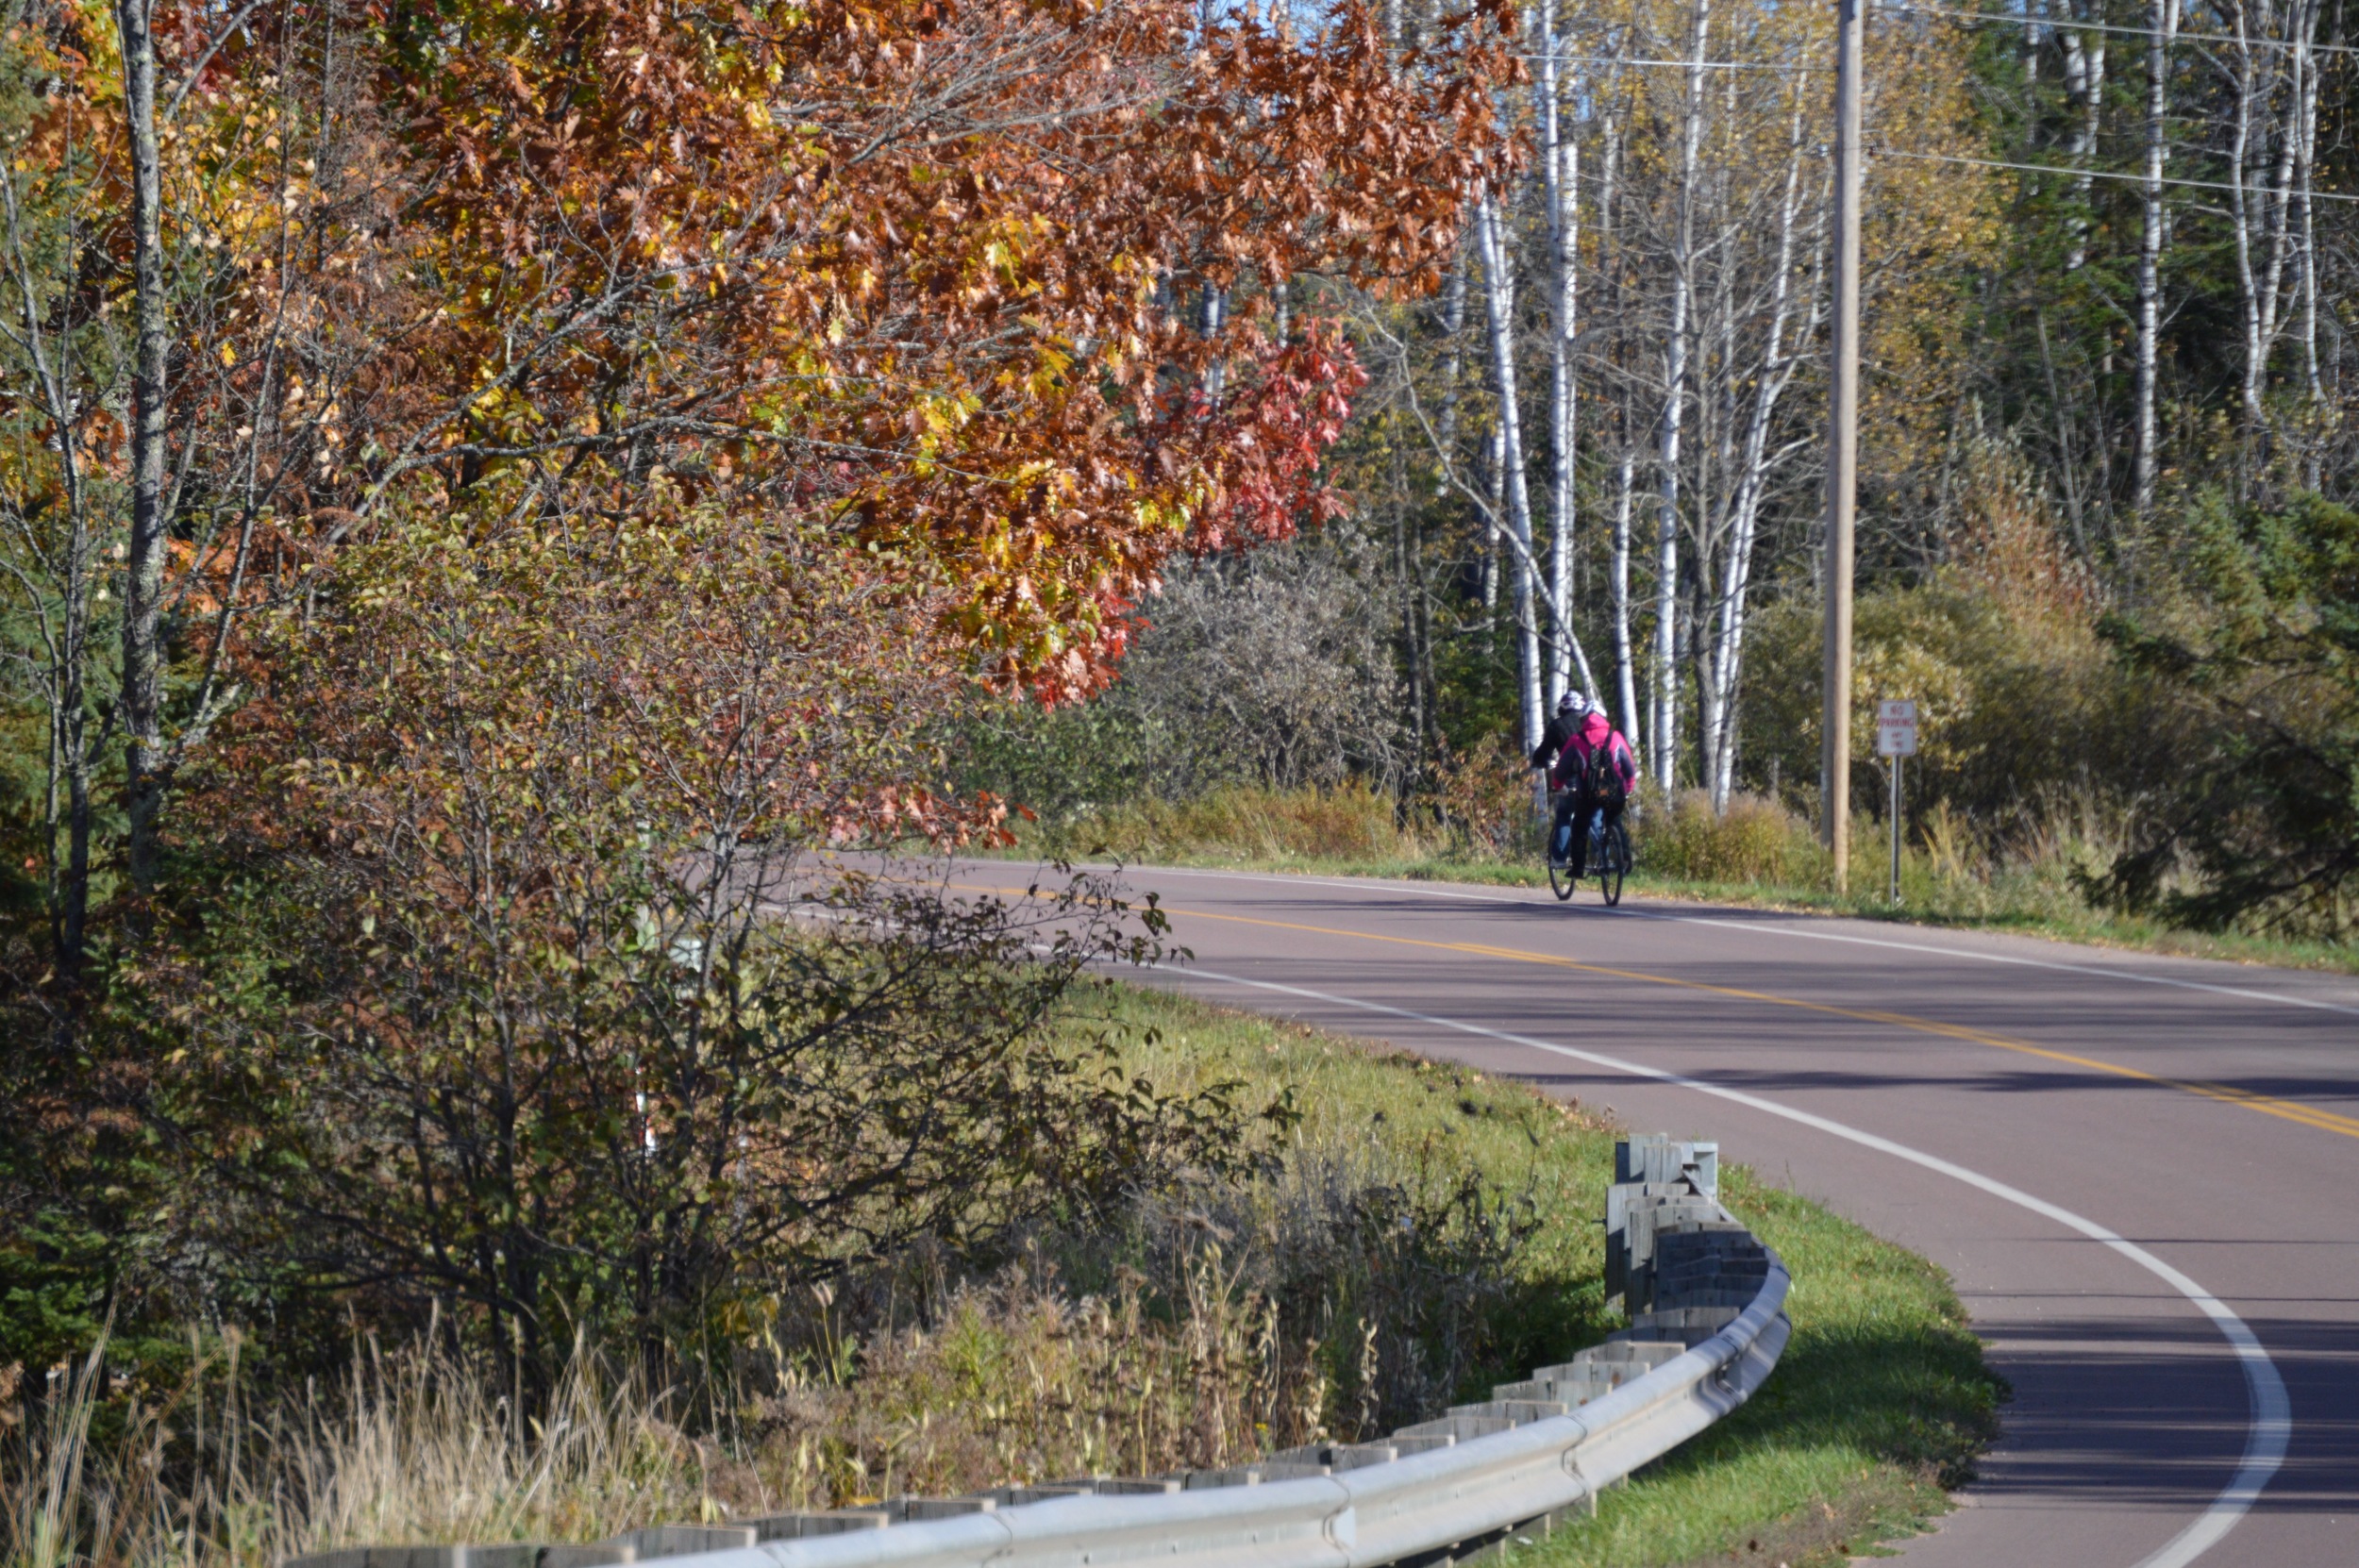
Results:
1896 738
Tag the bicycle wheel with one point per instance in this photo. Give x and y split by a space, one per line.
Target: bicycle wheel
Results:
1560 880
1617 862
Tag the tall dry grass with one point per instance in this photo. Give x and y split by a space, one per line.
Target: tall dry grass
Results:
1016 1379
1755 841
413 1447
1343 1292
1351 821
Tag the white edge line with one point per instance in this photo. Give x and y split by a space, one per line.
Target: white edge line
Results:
1755 929
2271 1423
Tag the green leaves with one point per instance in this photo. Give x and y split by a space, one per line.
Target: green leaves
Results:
2260 641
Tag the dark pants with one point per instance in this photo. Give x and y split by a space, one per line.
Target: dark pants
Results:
1573 811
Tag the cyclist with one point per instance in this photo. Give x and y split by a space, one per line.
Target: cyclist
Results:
1592 771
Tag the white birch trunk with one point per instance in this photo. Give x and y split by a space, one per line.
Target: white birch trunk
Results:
2305 174
2280 205
1625 661
2149 429
1560 171
1663 726
1626 465
1724 664
2241 215
2084 78
1499 304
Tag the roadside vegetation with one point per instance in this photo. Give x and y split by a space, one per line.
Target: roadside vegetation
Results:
1397 1233
2171 769
1755 853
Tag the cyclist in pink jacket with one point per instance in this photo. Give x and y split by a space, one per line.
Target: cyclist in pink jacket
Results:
1593 772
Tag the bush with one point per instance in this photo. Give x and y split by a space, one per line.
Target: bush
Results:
1272 670
522 1002
1343 1296
1355 1287
2260 643
1755 841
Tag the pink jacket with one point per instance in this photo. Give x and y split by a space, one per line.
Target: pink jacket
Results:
1596 730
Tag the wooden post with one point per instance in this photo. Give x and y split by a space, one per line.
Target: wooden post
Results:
1842 448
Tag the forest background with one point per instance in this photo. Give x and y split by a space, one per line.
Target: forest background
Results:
2105 461
492 495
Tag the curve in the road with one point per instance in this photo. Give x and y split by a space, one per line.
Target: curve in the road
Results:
2271 1425
2130 1440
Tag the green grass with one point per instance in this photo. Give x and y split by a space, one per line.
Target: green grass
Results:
1878 1406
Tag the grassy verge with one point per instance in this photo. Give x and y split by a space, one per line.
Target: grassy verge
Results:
1758 858
1877 1409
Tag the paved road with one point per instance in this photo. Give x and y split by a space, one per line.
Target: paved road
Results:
2142 1172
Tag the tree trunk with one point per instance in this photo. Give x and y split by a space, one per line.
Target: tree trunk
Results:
1559 190
1500 304
142 599
2165 27
2084 78
1626 463
1723 666
1663 724
67 814
2249 216
2279 204
2306 174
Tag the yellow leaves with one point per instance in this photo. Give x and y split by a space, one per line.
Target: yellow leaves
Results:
1050 368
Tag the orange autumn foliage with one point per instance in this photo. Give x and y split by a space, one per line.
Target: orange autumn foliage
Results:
925 270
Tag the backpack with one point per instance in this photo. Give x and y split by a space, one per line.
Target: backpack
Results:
1603 781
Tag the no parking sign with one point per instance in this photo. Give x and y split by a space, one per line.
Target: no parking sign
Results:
1896 729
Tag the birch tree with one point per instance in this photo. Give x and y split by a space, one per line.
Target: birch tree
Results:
1662 723
2147 457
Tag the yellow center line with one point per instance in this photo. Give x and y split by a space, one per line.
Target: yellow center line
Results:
2309 1116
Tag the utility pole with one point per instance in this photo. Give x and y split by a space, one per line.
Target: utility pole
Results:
1834 762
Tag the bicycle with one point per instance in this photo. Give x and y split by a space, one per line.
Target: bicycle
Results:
1609 859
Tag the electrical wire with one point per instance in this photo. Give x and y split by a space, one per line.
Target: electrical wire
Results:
2067 23
1683 64
2109 173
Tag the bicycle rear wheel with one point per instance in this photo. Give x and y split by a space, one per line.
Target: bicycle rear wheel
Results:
1560 881
1616 860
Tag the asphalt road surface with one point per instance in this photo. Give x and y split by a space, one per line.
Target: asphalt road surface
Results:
2142 1172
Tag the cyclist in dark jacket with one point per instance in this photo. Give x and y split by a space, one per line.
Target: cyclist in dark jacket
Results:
1570 709
1589 735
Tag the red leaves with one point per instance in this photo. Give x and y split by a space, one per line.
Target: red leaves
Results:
932 259
1270 434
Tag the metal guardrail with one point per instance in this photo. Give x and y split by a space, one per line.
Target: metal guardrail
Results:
1706 1305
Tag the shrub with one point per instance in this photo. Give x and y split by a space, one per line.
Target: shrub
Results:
1353 1291
1755 840
1486 799
2261 643
1269 671
526 999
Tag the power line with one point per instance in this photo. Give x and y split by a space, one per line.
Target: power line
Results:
1680 64
2107 174
2064 23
